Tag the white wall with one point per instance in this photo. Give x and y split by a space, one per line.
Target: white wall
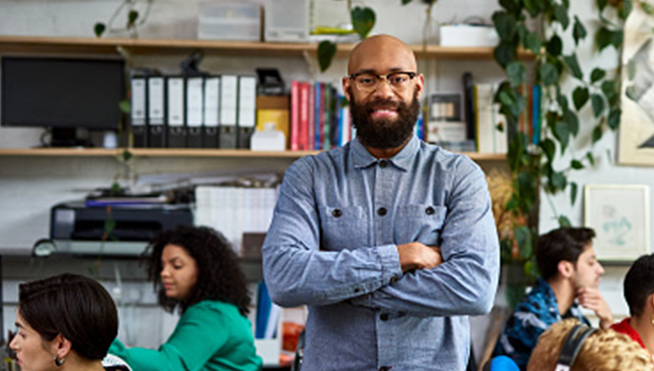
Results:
607 169
28 186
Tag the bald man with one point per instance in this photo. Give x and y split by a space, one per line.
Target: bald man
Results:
389 241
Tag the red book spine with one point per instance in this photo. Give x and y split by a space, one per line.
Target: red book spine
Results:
295 116
304 115
311 131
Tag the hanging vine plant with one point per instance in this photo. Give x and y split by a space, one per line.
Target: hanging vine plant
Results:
534 148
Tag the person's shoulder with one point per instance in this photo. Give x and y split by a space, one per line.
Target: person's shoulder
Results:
305 165
326 156
538 296
444 158
114 363
215 306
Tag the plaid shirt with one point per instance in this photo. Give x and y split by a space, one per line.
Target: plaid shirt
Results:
532 316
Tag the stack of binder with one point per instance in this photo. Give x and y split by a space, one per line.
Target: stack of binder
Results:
193 111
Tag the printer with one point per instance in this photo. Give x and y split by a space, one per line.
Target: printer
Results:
76 227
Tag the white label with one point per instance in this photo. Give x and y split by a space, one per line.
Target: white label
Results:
194 101
211 97
175 101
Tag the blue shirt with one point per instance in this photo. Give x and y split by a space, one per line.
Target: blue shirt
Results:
532 316
332 245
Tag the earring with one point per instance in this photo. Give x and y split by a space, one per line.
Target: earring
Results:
58 361
652 320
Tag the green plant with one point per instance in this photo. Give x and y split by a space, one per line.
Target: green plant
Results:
134 18
363 20
533 160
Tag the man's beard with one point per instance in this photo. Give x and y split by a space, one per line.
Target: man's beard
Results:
384 133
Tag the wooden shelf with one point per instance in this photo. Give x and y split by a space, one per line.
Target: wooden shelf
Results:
165 152
151 152
42 44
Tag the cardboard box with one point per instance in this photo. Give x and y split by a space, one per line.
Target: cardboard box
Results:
468 35
274 109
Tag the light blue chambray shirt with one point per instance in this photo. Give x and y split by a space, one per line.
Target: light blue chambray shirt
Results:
332 245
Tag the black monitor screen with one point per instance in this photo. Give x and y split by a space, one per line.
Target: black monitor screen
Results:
57 92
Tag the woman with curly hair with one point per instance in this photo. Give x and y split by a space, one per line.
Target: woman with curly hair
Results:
195 270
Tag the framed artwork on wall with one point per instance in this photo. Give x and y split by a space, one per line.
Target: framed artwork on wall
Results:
636 139
619 214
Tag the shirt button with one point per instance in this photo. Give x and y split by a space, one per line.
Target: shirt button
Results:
383 164
393 279
336 213
430 210
381 211
384 368
383 316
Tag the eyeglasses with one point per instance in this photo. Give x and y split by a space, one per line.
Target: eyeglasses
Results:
366 81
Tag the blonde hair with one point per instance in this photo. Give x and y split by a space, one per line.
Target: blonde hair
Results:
604 350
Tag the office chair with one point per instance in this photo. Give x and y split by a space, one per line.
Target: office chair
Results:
501 363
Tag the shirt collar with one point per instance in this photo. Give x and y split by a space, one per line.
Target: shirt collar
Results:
550 296
402 160
625 328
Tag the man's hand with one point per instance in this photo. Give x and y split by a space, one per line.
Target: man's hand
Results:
416 255
591 298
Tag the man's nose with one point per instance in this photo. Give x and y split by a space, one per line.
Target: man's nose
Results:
383 89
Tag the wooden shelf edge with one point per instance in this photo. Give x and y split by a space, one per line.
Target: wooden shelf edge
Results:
112 45
151 152
475 156
183 152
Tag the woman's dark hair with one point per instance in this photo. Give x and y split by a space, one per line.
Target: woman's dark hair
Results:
565 243
639 284
219 275
76 307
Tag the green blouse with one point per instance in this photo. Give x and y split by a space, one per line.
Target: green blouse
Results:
210 335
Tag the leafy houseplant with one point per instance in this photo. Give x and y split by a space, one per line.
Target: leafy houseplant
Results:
533 160
363 20
134 19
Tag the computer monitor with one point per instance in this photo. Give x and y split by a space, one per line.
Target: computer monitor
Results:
63 94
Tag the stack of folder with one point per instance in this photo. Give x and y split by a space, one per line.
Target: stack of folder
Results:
193 111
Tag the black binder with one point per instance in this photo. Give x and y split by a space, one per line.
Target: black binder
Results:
228 111
176 134
194 111
156 94
247 112
210 138
139 111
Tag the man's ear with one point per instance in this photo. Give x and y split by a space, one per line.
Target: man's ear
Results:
565 268
347 83
420 84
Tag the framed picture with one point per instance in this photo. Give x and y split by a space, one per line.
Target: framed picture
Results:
619 214
636 138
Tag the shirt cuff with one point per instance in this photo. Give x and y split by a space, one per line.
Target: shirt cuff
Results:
390 262
391 271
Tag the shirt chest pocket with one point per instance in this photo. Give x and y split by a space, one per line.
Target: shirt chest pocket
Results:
420 223
342 227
